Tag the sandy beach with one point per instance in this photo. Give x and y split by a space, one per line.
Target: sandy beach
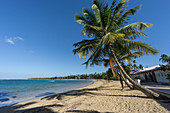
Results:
100 97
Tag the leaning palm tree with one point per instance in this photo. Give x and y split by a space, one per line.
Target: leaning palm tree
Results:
124 55
108 26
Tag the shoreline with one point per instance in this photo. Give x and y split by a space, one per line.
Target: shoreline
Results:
100 96
92 80
41 94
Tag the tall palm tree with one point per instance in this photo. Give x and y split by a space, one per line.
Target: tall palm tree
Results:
108 26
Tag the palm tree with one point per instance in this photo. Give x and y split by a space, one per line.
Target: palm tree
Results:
165 58
123 55
134 65
140 66
107 26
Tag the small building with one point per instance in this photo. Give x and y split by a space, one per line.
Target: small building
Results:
151 74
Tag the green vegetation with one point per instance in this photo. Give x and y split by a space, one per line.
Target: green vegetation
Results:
165 59
134 65
140 66
105 75
109 34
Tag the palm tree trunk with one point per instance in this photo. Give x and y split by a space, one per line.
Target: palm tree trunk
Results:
121 81
113 71
122 78
111 66
130 86
146 91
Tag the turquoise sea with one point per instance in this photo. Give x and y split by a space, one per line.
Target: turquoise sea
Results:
14 91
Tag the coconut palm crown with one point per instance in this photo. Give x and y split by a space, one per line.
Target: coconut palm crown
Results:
108 26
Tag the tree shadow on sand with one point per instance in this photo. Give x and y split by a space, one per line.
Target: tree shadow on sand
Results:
42 109
87 91
15 106
71 93
85 111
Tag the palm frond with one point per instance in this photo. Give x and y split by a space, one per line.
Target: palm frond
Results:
126 16
86 45
135 26
140 46
89 15
97 13
132 55
120 6
134 34
84 42
94 55
111 37
96 28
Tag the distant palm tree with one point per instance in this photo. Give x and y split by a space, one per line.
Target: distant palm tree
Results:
166 68
165 58
140 66
135 67
107 26
134 61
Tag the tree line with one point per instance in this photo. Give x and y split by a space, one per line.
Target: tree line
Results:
104 75
108 75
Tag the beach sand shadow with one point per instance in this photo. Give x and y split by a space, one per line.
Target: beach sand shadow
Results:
88 92
42 109
163 103
82 111
86 111
12 108
71 93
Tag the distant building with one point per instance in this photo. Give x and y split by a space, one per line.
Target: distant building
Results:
151 74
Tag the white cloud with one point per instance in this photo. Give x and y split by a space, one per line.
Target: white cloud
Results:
19 38
12 40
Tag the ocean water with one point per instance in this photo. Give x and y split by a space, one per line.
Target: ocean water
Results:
14 91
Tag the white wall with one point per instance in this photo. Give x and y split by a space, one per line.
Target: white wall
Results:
161 76
140 75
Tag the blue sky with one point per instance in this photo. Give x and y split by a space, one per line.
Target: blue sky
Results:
36 36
